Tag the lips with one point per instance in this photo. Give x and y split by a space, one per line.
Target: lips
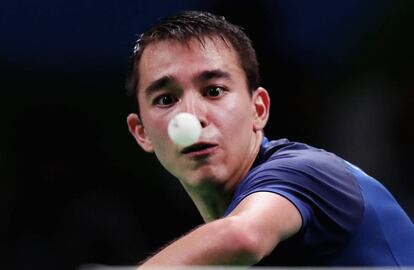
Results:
198 148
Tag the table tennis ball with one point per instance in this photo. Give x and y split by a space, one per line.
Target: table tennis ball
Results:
184 129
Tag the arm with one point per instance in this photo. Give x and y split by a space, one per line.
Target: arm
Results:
248 234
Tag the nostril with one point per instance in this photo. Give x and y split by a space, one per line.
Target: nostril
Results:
203 120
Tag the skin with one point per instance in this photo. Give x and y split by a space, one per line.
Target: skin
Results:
207 80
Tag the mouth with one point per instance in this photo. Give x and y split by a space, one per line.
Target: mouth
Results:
198 149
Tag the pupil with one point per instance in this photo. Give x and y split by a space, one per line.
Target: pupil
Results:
166 100
214 92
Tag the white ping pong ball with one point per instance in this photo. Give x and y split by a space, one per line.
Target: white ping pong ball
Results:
184 129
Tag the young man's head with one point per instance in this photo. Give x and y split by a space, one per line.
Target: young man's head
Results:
199 25
193 63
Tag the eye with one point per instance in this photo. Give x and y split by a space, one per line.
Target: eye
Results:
214 91
164 100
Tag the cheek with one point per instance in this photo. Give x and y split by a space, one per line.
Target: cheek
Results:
236 115
156 130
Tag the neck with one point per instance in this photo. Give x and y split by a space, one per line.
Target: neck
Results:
212 199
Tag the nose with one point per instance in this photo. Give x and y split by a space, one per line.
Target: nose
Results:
194 104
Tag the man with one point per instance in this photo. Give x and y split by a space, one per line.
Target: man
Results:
264 202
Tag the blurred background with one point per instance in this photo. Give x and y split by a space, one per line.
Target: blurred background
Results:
74 186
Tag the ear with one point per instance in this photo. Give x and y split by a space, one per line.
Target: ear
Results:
261 101
137 129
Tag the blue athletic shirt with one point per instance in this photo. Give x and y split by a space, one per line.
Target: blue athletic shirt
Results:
348 217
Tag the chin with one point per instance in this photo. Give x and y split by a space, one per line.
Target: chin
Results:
204 181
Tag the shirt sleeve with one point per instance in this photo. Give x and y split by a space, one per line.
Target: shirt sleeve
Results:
325 193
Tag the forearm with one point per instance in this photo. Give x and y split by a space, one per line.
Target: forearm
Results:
215 243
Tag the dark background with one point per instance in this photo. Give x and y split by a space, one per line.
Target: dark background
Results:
76 189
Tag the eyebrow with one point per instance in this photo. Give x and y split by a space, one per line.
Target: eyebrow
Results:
212 74
166 80
159 84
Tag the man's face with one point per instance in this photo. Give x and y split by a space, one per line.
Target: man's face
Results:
207 81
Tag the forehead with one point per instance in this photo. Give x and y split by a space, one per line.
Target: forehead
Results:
211 46
185 59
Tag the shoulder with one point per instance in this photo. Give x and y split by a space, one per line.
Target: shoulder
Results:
299 171
301 163
316 181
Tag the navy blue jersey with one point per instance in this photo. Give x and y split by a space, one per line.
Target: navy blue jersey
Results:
348 218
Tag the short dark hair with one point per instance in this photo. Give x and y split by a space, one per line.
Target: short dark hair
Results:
194 24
